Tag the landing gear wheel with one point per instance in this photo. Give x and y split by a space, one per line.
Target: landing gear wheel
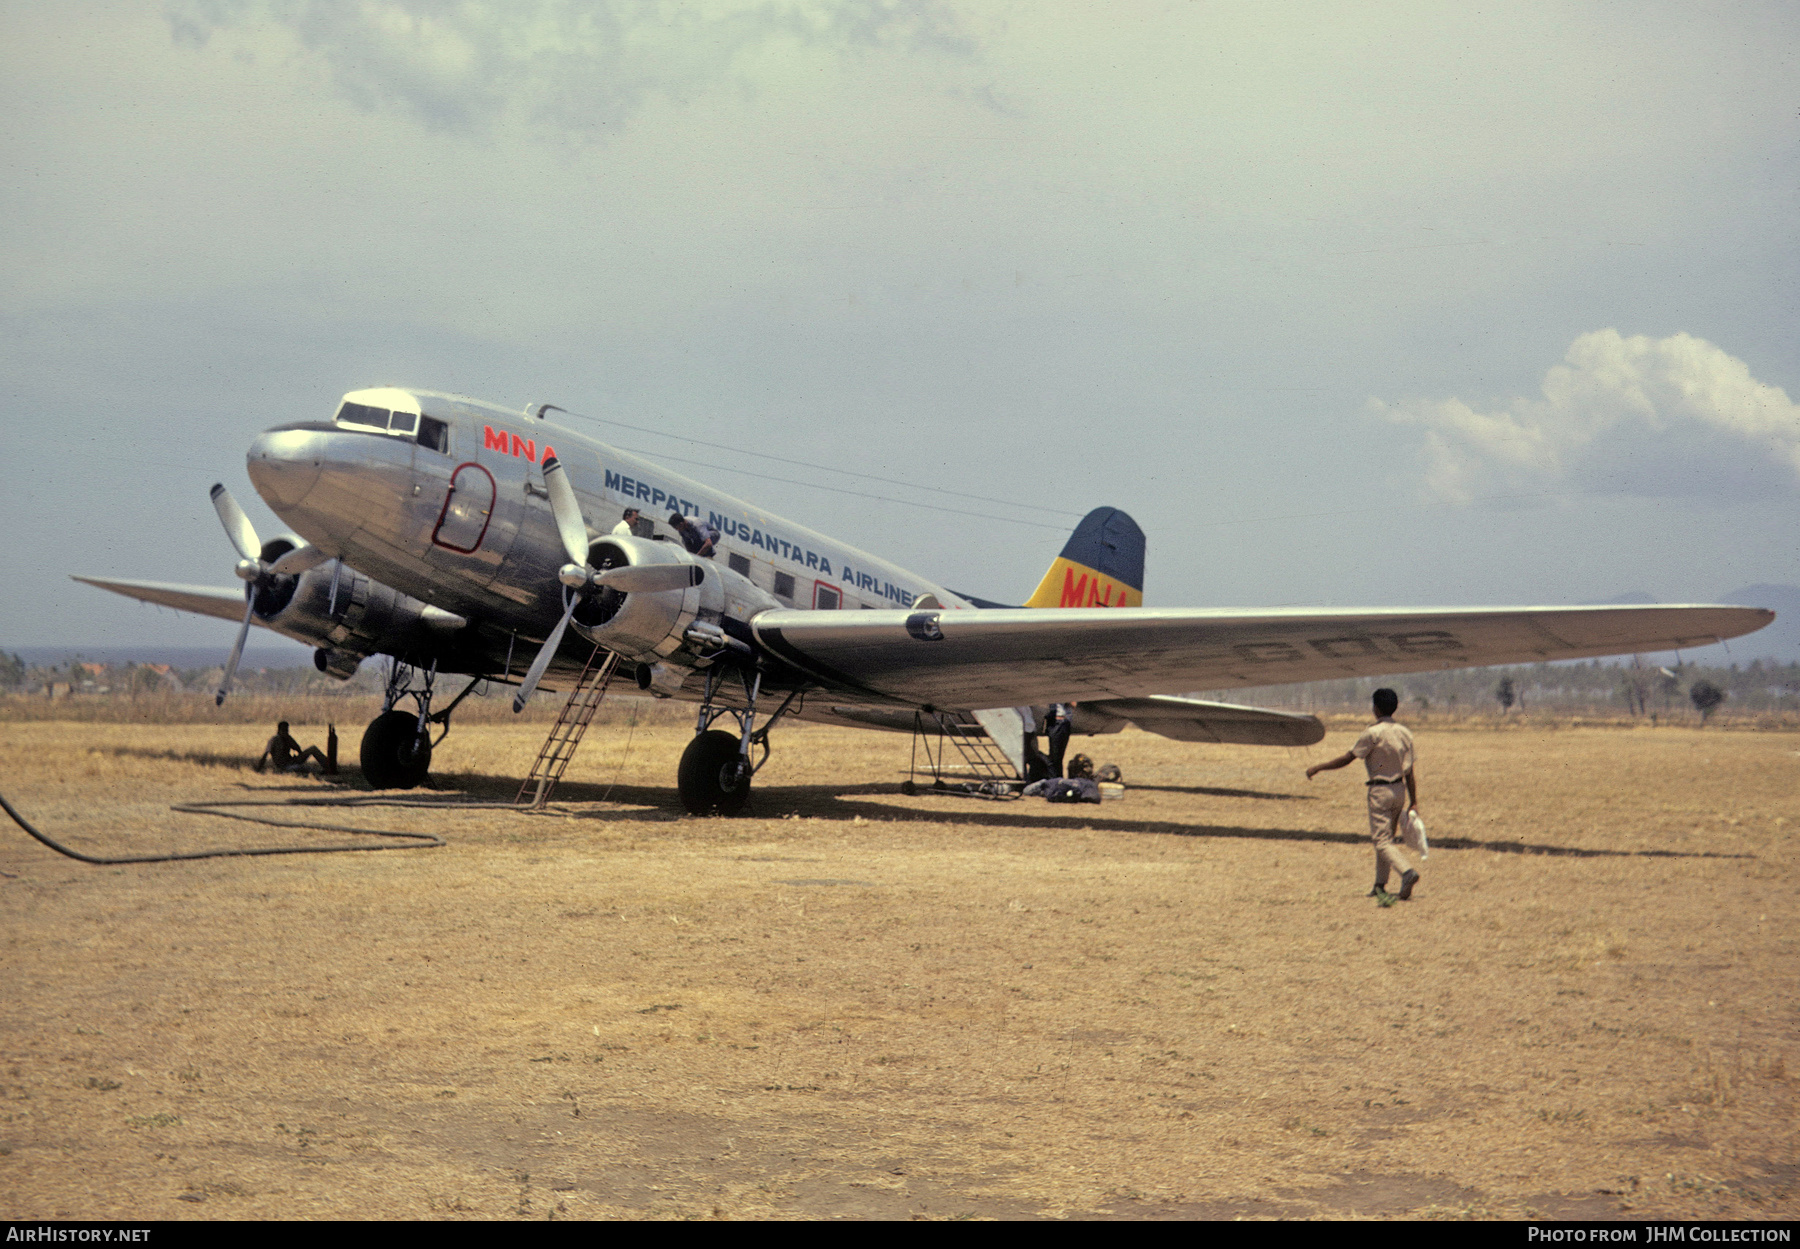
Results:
395 755
712 776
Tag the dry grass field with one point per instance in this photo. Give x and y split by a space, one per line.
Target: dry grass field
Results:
858 1004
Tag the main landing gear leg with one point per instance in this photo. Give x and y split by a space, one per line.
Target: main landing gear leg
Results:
716 767
397 745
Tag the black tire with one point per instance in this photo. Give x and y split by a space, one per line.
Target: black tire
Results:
908 788
712 777
395 755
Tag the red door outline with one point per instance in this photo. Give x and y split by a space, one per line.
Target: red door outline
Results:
487 516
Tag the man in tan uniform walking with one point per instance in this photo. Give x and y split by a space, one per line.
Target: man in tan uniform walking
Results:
1387 749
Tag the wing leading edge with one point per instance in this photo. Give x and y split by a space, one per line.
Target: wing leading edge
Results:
204 600
1013 657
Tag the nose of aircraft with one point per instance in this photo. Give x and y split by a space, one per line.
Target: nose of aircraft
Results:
284 465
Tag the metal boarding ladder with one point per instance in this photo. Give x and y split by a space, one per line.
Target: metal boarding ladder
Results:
994 773
566 733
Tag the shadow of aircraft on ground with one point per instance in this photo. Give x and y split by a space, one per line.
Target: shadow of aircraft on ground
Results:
661 804
881 802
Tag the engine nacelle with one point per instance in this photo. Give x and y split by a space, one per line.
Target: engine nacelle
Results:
652 626
346 615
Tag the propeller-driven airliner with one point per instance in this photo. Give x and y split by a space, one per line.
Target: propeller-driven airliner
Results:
457 537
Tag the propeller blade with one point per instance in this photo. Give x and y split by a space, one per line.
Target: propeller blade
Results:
237 525
649 578
237 650
567 510
544 655
298 561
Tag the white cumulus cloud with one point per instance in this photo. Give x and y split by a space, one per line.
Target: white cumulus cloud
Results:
1639 415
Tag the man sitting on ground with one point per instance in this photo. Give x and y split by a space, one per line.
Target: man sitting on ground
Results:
287 755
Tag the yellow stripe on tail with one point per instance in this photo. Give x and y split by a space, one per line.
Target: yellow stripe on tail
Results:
1069 584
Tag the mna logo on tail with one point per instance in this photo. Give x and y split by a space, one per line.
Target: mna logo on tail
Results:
1101 565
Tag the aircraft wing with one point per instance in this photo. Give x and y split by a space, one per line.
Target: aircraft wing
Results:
226 604
1013 657
1196 720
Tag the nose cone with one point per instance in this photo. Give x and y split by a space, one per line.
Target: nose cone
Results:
284 465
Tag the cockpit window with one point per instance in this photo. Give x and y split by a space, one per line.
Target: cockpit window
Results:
363 414
434 434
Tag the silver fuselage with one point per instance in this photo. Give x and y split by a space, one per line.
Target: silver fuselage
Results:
488 550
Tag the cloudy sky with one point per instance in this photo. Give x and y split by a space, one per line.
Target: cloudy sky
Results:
1350 303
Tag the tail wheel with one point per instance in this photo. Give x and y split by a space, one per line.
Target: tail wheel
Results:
395 755
713 776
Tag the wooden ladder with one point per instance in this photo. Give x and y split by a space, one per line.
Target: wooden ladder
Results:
566 733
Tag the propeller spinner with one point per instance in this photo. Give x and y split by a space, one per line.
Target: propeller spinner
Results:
578 576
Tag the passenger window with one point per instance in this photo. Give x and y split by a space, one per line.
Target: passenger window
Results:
784 585
740 565
434 434
825 598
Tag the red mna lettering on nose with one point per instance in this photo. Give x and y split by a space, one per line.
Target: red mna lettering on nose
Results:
512 444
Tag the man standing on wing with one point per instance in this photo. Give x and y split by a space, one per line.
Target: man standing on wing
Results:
1387 749
699 536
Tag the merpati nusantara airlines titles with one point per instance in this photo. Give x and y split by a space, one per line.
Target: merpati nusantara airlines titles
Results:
1079 587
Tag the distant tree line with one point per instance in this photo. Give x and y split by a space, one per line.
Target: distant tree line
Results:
135 680
1760 686
1569 688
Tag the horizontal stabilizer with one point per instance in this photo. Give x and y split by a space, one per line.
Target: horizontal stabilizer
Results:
1195 720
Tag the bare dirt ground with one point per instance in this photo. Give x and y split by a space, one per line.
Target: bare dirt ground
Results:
857 1004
